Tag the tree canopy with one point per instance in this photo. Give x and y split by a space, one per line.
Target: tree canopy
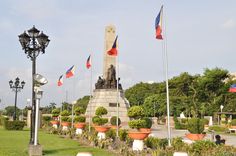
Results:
195 95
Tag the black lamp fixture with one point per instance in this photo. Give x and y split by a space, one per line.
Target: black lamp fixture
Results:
33 43
16 87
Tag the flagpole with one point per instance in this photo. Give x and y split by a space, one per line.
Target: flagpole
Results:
117 98
164 49
73 102
90 97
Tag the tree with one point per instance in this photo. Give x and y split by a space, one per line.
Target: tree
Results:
10 110
83 102
137 94
155 105
212 86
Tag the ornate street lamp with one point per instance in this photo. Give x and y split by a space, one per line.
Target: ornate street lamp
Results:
33 43
16 87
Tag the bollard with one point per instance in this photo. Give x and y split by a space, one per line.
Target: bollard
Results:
84 154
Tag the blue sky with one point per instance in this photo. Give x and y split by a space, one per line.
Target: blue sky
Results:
200 34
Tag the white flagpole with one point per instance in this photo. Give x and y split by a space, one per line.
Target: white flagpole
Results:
164 48
90 97
73 102
117 98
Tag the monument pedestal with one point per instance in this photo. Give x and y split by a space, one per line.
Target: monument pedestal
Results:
108 99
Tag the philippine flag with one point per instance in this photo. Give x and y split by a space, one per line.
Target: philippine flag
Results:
60 81
232 88
113 51
88 63
70 72
158 25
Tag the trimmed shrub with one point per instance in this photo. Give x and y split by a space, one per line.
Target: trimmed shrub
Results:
3 120
148 122
113 121
136 112
14 125
65 113
79 119
79 110
99 121
218 128
46 118
101 111
195 126
137 123
55 112
233 122
65 118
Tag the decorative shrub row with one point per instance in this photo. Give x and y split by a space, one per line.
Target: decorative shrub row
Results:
14 125
3 120
218 128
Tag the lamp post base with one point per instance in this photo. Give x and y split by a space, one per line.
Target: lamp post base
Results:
35 150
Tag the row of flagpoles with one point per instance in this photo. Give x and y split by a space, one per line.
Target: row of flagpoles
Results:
160 35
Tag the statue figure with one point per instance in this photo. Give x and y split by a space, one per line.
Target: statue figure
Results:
100 83
111 77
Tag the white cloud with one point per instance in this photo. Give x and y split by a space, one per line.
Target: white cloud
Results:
230 23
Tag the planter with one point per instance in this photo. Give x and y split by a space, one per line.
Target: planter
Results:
233 127
65 126
80 125
102 129
65 123
54 124
138 135
147 130
138 139
195 136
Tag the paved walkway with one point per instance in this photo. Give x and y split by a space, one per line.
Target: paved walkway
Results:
160 131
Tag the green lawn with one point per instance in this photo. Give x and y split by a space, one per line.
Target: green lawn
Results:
15 143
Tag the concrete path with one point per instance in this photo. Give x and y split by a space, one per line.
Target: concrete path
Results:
160 131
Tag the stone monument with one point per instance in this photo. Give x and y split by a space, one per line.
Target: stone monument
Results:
105 93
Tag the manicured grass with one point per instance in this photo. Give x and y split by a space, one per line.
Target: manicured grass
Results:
15 143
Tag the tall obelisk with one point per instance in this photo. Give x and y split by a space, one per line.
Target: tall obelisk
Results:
110 35
105 93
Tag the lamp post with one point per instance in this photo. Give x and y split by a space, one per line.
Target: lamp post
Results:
33 43
16 87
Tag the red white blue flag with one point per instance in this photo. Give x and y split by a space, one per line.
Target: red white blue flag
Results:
113 50
70 72
158 25
88 63
60 81
232 88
